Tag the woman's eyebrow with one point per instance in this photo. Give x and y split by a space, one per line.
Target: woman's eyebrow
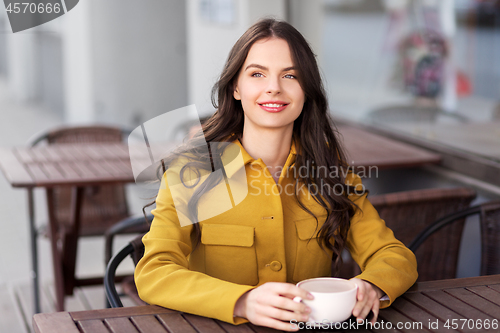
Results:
257 66
264 68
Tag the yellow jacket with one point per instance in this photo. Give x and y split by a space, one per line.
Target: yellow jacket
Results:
266 237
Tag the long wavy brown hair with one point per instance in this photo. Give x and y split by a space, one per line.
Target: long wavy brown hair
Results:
314 132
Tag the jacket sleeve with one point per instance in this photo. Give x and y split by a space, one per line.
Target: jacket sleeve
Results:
163 276
384 260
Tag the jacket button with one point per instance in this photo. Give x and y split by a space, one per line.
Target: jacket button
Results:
276 266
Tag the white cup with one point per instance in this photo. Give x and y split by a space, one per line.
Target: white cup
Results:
333 301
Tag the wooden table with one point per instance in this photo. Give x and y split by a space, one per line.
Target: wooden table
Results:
426 307
63 165
97 164
366 149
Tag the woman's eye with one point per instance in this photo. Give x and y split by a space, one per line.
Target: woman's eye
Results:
257 75
290 76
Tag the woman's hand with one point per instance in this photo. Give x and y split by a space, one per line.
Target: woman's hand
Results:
368 298
272 305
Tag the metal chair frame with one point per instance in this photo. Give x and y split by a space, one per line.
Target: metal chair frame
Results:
132 249
109 277
486 260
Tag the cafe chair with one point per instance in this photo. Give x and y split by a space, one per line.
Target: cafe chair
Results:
134 249
135 224
406 213
489 216
101 207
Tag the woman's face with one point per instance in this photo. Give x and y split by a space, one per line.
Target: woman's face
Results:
267 86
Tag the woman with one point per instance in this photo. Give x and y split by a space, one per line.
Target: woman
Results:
301 209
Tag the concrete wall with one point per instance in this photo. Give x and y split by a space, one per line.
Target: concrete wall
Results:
307 17
21 71
77 64
138 59
50 85
3 43
124 63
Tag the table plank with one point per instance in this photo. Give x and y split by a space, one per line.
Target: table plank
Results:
391 315
261 329
92 326
24 155
74 152
120 312
56 154
202 324
488 292
45 322
53 171
99 168
147 324
418 314
13 169
61 153
235 328
38 154
108 166
465 309
120 325
474 297
83 170
495 287
174 322
121 167
68 169
114 151
38 173
441 312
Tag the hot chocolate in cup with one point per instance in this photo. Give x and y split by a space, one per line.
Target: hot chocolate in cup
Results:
333 301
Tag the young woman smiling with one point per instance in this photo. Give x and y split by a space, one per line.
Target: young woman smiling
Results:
243 264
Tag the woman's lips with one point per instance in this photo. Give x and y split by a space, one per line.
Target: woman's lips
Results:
273 107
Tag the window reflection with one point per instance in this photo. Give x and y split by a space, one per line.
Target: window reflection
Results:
425 69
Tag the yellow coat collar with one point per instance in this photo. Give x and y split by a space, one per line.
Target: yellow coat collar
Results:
244 158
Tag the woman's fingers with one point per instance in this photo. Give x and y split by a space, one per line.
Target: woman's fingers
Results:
284 315
371 298
289 304
367 300
281 295
375 310
289 290
361 298
272 305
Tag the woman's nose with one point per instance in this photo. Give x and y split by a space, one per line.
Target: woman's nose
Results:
274 86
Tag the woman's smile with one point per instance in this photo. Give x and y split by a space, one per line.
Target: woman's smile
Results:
273 106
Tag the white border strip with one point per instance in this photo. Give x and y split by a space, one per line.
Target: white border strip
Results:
64 6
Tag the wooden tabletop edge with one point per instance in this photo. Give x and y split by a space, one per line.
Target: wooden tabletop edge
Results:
455 283
119 312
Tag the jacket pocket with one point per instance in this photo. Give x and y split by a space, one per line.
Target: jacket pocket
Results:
311 260
230 253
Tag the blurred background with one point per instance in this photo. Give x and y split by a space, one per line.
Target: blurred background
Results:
422 71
